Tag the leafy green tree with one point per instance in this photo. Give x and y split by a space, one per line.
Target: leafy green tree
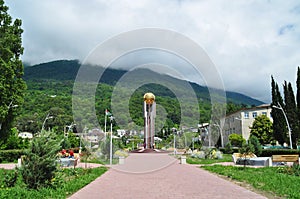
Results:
262 129
74 141
39 163
15 142
279 124
28 123
12 85
236 140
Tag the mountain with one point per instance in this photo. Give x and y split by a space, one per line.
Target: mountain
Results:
62 70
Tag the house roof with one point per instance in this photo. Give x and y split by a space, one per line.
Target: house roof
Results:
262 106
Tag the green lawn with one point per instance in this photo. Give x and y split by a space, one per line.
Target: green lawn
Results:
268 179
67 182
226 158
101 161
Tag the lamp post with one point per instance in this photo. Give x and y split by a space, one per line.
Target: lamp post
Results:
185 144
69 128
47 117
287 122
174 131
221 134
110 144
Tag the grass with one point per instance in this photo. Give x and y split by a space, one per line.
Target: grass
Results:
101 161
267 179
226 158
67 182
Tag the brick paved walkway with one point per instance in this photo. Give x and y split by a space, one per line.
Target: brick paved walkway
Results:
160 176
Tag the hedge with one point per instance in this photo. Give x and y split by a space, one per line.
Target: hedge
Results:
270 152
11 155
234 150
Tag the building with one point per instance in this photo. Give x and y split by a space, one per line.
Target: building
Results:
25 135
121 132
240 121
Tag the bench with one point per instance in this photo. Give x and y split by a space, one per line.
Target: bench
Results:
67 162
286 158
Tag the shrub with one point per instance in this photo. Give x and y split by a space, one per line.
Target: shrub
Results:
120 153
11 155
256 145
293 170
198 154
236 140
245 150
10 178
39 163
228 148
207 154
219 155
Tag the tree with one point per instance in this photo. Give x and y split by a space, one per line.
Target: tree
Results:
39 164
12 85
291 111
279 124
256 145
262 128
298 92
246 150
298 101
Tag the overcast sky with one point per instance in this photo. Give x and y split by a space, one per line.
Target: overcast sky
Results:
248 41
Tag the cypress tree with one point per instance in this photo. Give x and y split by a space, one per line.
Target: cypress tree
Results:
291 111
298 102
279 124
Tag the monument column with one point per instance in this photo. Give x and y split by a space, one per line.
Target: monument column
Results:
149 120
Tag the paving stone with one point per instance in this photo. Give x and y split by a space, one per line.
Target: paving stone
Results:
160 176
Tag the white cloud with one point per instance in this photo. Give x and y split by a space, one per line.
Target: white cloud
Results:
247 40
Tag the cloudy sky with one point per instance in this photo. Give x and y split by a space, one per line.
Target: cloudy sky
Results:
247 40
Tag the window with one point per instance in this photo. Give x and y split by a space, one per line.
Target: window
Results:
264 113
246 115
254 114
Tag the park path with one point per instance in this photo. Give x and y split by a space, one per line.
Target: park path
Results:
160 176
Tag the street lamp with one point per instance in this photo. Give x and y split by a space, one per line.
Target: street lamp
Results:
47 117
221 134
287 122
110 145
174 131
70 127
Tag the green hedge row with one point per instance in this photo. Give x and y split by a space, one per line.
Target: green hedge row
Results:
234 150
11 155
270 152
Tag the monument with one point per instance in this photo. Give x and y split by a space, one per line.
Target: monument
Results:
149 121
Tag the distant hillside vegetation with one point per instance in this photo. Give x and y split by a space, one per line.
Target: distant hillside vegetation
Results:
61 70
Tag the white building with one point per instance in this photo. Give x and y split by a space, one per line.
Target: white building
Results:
240 121
121 132
25 135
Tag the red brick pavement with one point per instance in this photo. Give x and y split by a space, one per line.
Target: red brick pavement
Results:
160 176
